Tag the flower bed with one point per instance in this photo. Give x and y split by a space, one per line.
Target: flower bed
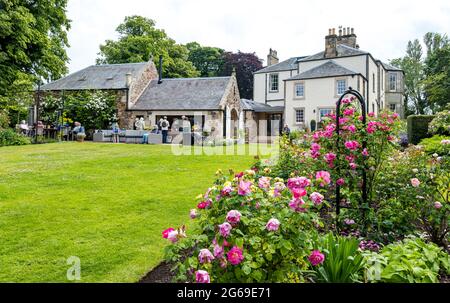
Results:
280 224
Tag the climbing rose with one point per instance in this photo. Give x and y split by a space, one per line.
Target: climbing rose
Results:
202 276
353 166
218 251
264 182
330 157
235 256
205 256
340 182
365 153
234 216
415 182
316 198
316 258
351 128
349 111
225 229
324 177
437 205
244 188
273 225
351 145
297 205
298 192
165 233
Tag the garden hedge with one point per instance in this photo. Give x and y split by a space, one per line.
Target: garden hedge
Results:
418 127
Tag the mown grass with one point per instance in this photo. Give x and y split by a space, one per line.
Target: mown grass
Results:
105 204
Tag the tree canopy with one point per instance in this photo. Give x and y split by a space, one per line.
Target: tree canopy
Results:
139 40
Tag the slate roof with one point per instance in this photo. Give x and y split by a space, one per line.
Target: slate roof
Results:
342 51
328 69
183 94
108 76
260 107
390 67
289 64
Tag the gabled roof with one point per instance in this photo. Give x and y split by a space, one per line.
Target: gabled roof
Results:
286 65
108 76
183 94
342 51
260 107
328 69
390 67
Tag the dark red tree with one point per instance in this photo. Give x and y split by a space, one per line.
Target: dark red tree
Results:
245 64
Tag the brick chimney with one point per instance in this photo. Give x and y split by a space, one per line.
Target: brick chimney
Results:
348 38
331 43
272 57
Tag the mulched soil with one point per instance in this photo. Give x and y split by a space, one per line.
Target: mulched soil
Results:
160 274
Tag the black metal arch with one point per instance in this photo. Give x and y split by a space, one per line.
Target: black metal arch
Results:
361 100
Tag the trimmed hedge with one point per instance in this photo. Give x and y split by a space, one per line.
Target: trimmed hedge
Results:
418 127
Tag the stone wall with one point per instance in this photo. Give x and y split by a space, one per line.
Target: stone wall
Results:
141 82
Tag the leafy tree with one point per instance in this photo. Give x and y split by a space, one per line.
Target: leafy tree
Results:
437 82
33 38
245 64
412 64
207 60
139 40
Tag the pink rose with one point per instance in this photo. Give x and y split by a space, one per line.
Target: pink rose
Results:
315 147
349 111
235 256
218 251
172 236
340 182
297 205
371 114
349 221
316 258
165 233
353 165
273 225
298 182
323 177
316 198
365 153
193 213
225 229
437 205
234 216
244 188
351 145
372 127
264 182
415 182
279 186
205 256
330 157
298 192
202 276
351 128
226 190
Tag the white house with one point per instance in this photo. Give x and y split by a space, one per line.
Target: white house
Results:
309 86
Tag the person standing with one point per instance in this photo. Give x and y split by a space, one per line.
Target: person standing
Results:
159 125
165 129
286 130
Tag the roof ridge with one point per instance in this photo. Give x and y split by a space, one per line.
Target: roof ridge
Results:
194 78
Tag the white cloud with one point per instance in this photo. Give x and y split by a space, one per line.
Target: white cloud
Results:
292 27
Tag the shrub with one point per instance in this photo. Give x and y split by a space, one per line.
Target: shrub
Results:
436 145
409 261
418 127
10 137
440 125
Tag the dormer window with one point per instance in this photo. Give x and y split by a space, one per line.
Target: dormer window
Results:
273 83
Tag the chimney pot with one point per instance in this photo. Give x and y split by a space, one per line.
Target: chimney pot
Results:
329 32
334 31
353 31
348 30
160 69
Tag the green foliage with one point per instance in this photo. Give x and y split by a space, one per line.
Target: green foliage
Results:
139 40
33 39
9 137
435 145
440 125
207 60
409 261
343 261
418 127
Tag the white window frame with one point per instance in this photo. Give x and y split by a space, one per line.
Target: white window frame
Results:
295 90
271 82
319 110
337 86
395 76
295 115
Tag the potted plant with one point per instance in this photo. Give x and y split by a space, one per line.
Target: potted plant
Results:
80 137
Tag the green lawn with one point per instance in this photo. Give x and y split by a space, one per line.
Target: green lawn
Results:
106 204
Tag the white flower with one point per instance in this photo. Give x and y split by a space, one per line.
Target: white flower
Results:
415 170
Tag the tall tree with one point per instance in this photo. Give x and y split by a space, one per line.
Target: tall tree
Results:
33 39
139 39
207 60
412 64
245 64
437 82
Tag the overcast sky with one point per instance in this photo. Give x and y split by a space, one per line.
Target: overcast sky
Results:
292 27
